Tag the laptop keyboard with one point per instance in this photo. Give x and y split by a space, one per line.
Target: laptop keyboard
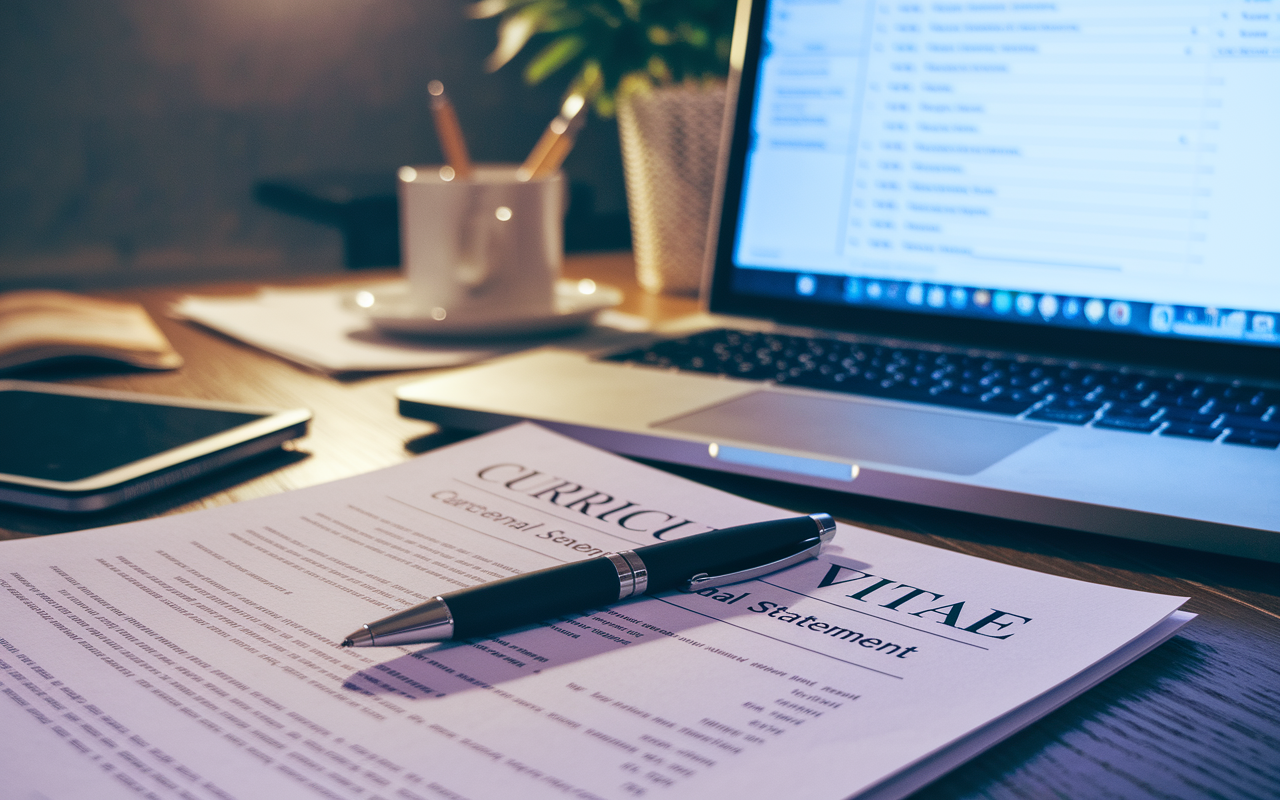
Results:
1068 394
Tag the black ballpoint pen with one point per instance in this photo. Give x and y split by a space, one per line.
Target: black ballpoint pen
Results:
701 561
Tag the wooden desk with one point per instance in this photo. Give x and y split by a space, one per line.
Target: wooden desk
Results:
1198 717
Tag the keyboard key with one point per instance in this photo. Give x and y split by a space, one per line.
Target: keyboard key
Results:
1251 423
1250 396
1179 400
1127 395
1131 411
995 405
1064 416
1243 409
974 381
973 399
1127 424
1075 404
1267 439
1189 430
1173 413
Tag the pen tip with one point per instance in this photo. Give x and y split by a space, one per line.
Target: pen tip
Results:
348 643
435 88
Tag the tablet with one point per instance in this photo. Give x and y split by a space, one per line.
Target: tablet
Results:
71 448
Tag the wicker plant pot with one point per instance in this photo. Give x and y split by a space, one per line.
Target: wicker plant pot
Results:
670 142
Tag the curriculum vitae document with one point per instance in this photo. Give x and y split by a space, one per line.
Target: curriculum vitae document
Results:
196 656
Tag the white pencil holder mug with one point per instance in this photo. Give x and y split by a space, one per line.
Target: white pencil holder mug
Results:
488 247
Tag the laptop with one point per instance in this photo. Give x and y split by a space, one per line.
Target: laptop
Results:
1018 259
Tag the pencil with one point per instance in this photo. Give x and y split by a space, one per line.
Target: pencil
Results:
560 148
449 131
556 141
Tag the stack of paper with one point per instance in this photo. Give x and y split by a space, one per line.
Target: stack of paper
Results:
315 328
319 329
196 656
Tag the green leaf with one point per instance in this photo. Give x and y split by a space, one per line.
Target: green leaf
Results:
660 35
563 19
659 69
632 8
695 35
488 8
513 34
589 80
554 56
645 42
598 11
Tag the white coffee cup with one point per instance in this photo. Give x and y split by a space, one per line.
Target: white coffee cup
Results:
488 247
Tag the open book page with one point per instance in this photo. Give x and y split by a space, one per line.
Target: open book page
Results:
40 325
196 656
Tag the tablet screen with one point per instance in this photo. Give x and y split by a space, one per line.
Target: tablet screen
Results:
62 437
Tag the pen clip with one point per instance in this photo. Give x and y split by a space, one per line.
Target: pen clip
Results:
812 547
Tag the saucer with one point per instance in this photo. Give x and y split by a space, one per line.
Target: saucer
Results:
391 308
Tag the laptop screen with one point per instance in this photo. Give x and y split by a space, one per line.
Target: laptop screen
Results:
1080 164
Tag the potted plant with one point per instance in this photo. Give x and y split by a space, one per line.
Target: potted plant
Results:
660 66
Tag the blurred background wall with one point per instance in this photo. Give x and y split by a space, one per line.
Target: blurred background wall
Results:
133 132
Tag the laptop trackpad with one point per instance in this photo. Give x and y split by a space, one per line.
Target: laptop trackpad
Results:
849 430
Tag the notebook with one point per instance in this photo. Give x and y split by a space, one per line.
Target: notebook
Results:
1018 259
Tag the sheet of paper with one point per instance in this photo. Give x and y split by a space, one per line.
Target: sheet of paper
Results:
317 329
314 327
195 656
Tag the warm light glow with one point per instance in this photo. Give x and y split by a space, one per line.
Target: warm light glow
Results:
438 313
446 173
408 174
502 213
586 286
572 105
713 450
364 299
853 472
